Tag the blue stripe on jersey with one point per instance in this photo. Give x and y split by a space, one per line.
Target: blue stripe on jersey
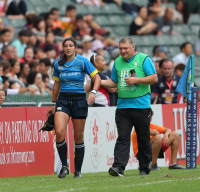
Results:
71 74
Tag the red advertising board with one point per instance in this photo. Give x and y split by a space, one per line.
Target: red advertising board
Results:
174 117
23 149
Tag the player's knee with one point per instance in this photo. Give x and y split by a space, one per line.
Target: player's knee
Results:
175 135
60 133
157 139
78 138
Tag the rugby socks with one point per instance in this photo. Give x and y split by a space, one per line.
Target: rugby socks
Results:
79 155
62 151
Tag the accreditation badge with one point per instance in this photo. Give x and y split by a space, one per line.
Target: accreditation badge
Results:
168 96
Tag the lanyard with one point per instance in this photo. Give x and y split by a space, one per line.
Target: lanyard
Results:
169 84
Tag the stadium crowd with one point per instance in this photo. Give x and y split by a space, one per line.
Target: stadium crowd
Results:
26 61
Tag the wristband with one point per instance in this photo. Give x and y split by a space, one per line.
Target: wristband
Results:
94 91
53 103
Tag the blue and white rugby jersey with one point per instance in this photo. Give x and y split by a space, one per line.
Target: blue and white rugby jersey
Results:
71 74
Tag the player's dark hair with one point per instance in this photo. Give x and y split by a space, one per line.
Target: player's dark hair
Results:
63 58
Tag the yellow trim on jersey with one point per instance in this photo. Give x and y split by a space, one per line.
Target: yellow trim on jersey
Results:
56 78
93 73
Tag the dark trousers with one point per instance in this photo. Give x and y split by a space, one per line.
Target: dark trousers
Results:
15 9
125 120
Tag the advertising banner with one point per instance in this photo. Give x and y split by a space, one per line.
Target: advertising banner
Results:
100 137
23 149
174 117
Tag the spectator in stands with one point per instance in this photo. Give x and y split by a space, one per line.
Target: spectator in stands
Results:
34 80
3 94
140 25
155 54
6 84
164 24
22 41
33 42
87 46
182 12
97 47
39 54
30 20
45 79
56 15
24 71
69 23
165 88
91 2
6 67
13 9
50 39
34 66
71 13
78 33
160 145
49 19
28 55
162 52
197 46
44 65
179 69
5 37
7 53
104 95
155 10
186 51
14 70
50 52
39 25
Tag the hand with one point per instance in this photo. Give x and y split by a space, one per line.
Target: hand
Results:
112 90
166 142
52 108
131 80
33 90
91 98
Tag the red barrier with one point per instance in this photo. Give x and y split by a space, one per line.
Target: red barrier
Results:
174 117
24 151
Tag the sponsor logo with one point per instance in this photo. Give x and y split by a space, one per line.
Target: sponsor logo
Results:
136 63
95 140
111 135
60 68
161 85
74 73
59 108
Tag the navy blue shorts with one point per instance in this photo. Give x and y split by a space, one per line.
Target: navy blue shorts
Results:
76 106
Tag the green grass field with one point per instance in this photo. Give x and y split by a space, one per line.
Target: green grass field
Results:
158 181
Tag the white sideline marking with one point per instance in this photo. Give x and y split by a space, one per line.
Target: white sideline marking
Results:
71 189
140 184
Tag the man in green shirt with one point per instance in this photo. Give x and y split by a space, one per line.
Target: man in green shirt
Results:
132 73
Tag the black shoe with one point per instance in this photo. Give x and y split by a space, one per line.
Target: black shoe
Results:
77 174
142 173
176 166
155 167
63 172
115 171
